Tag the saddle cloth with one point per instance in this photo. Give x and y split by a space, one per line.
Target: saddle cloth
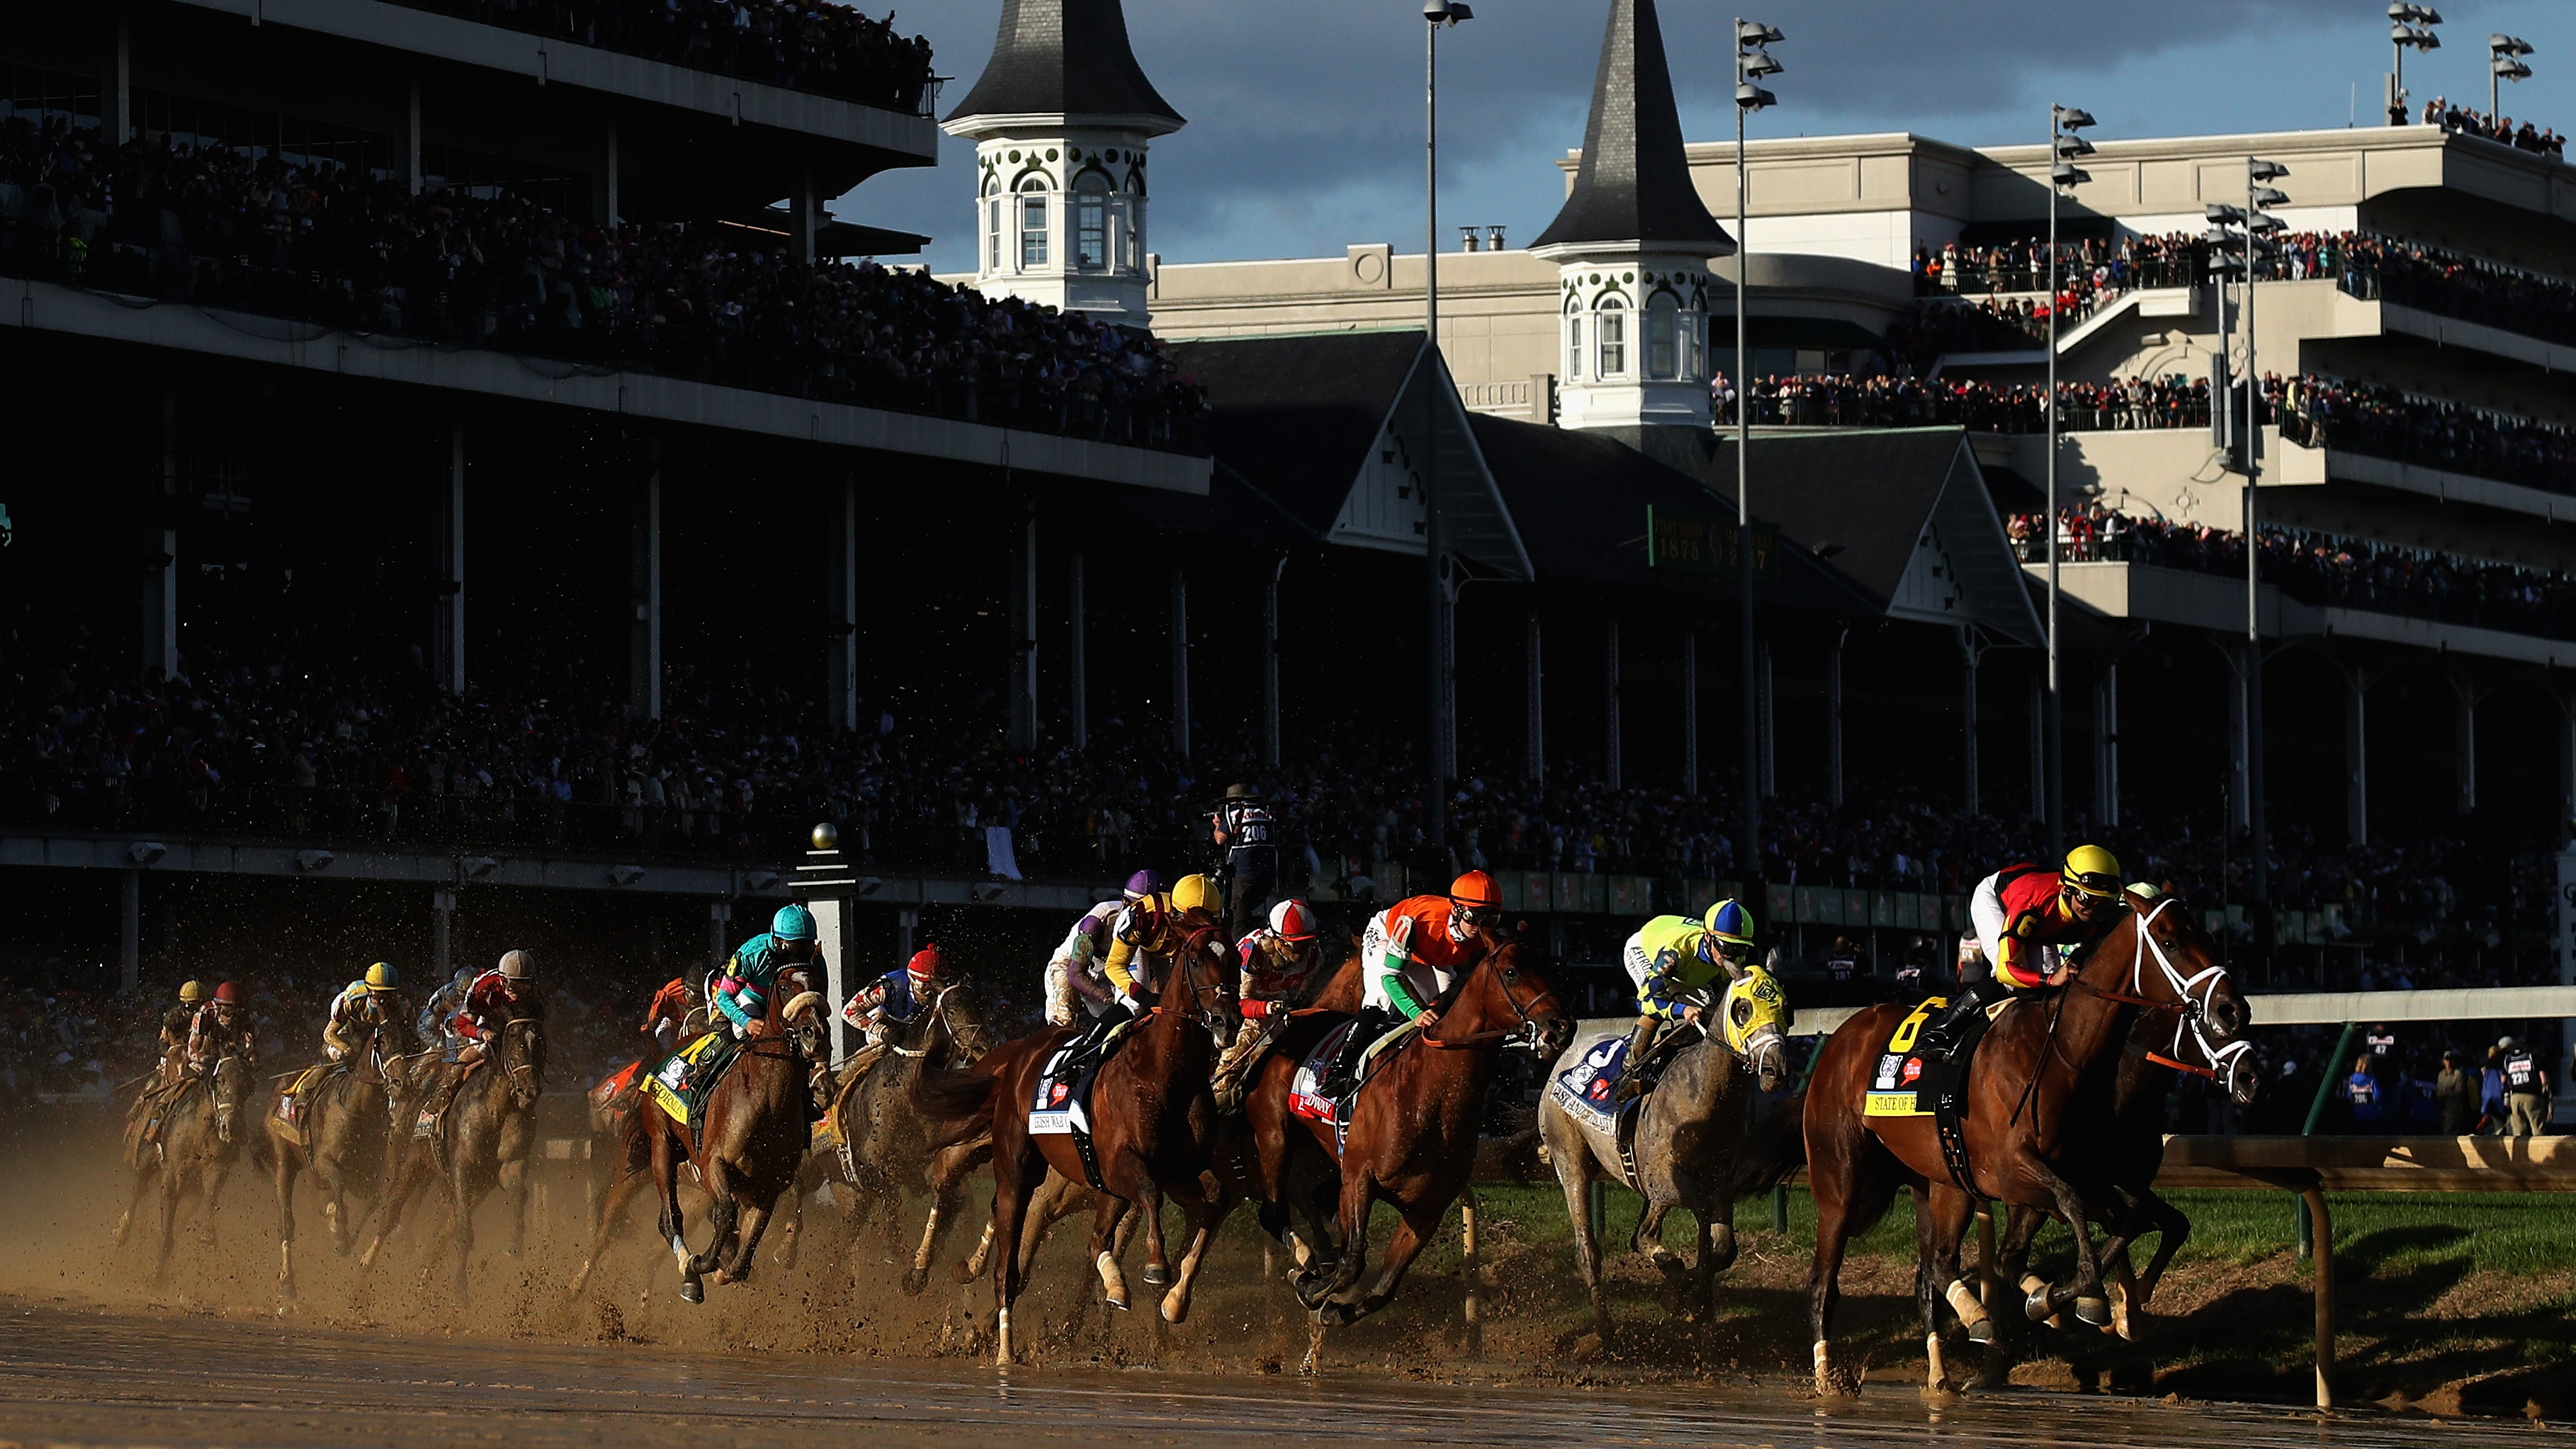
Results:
1905 1084
1584 1089
1306 1087
1060 1104
681 1083
614 1083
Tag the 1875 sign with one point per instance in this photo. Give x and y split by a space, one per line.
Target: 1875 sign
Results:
1698 543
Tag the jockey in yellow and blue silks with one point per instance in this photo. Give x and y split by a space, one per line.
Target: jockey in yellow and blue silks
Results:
1672 959
740 989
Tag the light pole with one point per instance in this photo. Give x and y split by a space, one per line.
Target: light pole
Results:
2504 62
2410 27
2064 148
1752 63
1437 15
2253 225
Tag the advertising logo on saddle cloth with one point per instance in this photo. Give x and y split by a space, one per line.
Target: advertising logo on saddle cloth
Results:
1054 1111
1893 1085
1584 1089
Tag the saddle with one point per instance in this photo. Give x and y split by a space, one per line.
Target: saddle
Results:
1910 1082
1306 1096
680 1083
1061 1106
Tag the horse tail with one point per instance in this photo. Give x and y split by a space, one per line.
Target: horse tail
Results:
959 1102
1773 1149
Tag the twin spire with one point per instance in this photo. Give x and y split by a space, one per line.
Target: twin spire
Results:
1067 58
1634 184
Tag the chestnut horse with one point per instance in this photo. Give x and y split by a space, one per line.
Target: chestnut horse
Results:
1154 1130
753 1135
490 1124
2023 1119
1412 1135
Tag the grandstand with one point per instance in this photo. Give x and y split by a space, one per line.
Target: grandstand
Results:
476 494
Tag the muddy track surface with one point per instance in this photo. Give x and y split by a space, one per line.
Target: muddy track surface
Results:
90 1377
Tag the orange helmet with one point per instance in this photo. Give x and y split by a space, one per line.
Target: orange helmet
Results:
1476 888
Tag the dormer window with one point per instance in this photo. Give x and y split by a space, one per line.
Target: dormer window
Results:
1091 222
1613 327
1033 224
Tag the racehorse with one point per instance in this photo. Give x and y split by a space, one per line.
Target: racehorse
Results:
349 1135
1154 1130
487 1129
887 1146
752 1133
1682 1153
2021 1124
1411 1140
2128 1154
200 1136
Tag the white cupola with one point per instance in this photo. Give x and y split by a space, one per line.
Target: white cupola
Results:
1061 119
1632 247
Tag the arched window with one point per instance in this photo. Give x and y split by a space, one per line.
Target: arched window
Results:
1663 337
1033 223
1613 328
1091 221
992 225
1573 342
1131 217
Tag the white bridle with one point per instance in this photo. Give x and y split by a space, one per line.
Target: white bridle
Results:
2191 993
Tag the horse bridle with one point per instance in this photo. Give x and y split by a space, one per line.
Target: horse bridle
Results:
1184 966
1527 1038
938 1010
2190 1004
530 1067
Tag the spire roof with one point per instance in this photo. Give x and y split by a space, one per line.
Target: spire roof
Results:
1634 183
1065 57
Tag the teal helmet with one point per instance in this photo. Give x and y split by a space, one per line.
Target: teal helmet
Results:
792 923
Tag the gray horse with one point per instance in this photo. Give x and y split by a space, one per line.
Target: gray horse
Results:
1685 1150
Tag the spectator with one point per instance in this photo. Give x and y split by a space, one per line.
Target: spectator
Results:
2456 1090
2491 1105
2361 1089
2526 1091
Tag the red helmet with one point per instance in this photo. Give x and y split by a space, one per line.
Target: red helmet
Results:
228 995
1293 921
1476 888
925 962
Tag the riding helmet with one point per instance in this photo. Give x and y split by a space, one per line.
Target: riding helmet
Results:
2092 870
192 992
927 962
382 977
1194 893
1293 921
792 923
1142 884
1730 922
518 965
228 995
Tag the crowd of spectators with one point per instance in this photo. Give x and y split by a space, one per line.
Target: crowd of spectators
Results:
2323 569
2459 120
721 303
805 45
1882 399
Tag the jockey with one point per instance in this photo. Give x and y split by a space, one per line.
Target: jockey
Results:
895 998
431 1025
1672 960
372 1003
219 1029
740 989
174 1022
1275 963
1409 955
1155 928
1075 973
484 1008
668 1014
2028 923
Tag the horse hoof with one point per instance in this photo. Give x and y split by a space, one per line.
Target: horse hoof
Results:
692 1291
1157 1276
915 1281
2094 1311
1982 1331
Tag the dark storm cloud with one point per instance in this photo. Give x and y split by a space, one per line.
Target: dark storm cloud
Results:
1304 111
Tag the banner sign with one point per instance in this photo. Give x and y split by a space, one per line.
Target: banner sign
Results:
1700 544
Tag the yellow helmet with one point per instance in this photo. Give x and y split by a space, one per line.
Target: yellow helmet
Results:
1194 893
2092 870
382 977
190 993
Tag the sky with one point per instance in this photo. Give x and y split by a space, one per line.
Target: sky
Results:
1306 120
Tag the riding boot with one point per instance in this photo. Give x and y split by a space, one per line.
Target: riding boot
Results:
1941 1033
1632 1075
1344 1077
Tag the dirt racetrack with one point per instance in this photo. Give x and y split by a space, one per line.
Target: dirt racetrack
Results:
92 1352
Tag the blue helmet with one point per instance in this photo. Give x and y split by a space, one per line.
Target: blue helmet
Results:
1731 923
792 923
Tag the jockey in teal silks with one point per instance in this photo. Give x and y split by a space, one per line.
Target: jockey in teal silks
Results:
741 988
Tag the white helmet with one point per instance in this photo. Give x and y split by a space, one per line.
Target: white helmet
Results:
1293 921
518 965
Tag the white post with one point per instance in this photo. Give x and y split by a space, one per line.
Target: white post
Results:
831 928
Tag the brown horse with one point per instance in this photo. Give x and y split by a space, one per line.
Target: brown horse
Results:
349 1135
753 1133
2128 1155
489 1127
201 1134
1412 1137
2020 1122
1154 1130
887 1146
